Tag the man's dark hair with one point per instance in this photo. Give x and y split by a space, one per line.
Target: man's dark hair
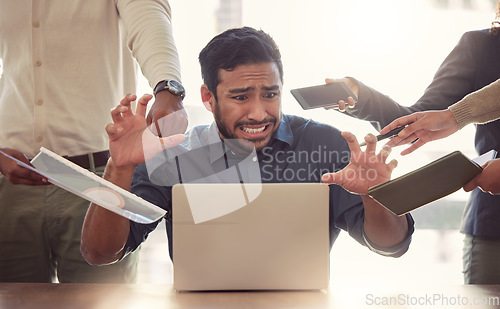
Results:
235 47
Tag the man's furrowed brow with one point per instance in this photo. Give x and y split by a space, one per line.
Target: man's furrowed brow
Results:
271 88
240 90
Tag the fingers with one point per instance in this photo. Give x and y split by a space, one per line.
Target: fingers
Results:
351 102
413 128
24 176
128 99
123 109
371 143
29 178
112 130
116 113
142 105
392 165
385 152
471 185
398 141
332 178
419 143
352 142
17 169
402 121
342 106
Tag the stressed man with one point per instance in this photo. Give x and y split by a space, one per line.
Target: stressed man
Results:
243 82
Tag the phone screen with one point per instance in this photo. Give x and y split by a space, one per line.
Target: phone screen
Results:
322 95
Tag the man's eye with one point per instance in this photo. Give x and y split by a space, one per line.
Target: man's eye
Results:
271 95
239 97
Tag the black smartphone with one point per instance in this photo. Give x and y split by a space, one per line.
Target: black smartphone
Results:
327 95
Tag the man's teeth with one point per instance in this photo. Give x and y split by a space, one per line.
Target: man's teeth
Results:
250 130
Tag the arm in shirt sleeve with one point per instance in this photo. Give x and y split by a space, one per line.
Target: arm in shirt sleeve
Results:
348 215
149 34
347 209
454 79
155 194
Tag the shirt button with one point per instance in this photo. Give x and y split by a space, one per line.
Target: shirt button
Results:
39 139
38 63
254 159
36 24
39 102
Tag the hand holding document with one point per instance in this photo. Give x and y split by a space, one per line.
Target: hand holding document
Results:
87 185
428 183
16 168
488 180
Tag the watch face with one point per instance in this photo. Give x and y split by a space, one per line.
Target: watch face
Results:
175 87
172 86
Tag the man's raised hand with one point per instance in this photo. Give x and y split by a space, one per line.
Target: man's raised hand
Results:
130 142
366 168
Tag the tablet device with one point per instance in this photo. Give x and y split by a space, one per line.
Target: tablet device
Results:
327 95
426 184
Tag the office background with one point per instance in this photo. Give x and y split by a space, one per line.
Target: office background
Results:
394 46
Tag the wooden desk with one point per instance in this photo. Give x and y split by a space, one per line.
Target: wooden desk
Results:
97 296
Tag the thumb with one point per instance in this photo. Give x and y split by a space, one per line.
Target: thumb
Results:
471 185
172 140
329 80
152 145
332 178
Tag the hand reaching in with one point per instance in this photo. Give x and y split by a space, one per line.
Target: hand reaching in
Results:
130 142
366 168
17 174
167 116
423 127
350 101
488 180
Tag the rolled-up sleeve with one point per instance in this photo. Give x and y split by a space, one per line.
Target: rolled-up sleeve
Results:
347 213
397 250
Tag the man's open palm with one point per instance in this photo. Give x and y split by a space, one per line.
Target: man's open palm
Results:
130 143
366 168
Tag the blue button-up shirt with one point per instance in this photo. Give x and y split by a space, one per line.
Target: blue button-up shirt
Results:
300 151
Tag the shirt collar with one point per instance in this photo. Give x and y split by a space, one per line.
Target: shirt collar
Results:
284 132
216 149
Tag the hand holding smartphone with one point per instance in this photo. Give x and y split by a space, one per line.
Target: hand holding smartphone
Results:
327 95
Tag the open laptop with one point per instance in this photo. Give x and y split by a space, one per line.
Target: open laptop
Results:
267 237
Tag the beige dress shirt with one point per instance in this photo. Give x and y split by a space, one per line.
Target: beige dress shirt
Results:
66 63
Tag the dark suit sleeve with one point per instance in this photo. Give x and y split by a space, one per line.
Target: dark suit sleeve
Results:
454 79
